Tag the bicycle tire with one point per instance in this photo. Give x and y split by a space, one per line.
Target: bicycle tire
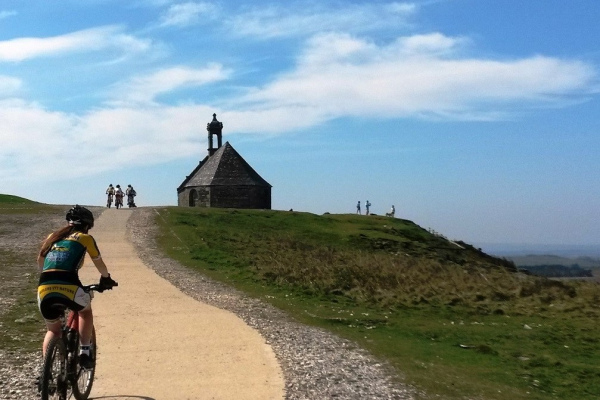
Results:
82 379
54 382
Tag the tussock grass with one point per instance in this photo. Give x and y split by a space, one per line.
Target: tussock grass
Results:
399 280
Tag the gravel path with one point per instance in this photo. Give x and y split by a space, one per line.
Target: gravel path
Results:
316 364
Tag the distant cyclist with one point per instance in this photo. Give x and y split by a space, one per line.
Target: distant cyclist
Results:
119 195
110 191
130 192
59 260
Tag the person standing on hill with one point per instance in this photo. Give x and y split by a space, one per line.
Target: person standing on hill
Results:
367 205
358 207
392 212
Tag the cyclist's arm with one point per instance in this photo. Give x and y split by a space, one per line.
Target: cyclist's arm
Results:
94 252
41 258
100 266
40 262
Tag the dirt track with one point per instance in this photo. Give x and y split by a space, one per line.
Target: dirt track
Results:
155 343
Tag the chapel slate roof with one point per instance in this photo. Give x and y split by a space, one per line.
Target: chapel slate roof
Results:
224 168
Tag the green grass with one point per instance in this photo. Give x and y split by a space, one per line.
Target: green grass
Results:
17 205
21 326
454 322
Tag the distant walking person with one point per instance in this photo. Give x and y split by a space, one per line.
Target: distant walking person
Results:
367 205
392 212
358 207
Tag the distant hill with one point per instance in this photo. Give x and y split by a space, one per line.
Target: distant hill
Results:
533 260
557 267
518 250
10 199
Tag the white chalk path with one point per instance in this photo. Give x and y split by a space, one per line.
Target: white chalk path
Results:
155 343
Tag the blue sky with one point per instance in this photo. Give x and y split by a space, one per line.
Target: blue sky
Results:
476 118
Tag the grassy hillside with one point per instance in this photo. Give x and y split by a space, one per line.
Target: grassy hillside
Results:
452 320
17 205
23 225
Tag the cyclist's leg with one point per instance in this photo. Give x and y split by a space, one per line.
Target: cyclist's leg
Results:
83 305
54 330
86 325
51 317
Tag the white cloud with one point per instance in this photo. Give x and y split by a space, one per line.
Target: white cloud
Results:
81 41
303 19
339 75
185 14
43 145
144 89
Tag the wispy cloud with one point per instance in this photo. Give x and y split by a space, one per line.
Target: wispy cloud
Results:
87 40
302 19
185 14
145 89
6 14
338 75
9 86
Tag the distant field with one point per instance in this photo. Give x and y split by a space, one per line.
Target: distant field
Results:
584 262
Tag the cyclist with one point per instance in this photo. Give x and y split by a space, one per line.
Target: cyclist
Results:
59 260
119 195
110 191
130 192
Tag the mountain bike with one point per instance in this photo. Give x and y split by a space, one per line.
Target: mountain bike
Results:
62 377
119 202
109 201
130 201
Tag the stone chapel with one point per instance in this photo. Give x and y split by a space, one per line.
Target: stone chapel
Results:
223 179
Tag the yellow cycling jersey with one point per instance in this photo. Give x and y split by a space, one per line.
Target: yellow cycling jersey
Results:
66 256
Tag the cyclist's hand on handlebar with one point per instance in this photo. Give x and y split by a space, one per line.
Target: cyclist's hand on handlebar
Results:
107 283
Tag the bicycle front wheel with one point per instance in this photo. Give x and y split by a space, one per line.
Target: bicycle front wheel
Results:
83 379
54 375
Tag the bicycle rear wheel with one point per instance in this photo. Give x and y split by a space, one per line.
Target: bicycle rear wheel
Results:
83 379
54 375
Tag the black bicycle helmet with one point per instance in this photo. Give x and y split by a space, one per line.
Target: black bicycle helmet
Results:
80 216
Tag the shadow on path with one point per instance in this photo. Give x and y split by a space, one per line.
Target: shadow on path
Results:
123 397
